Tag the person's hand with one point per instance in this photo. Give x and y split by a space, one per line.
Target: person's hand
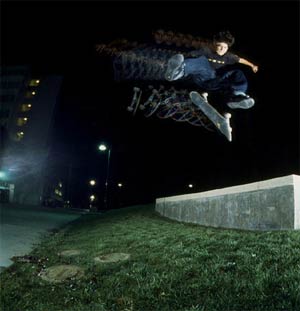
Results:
254 68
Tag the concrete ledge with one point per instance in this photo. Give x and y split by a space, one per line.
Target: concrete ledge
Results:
272 204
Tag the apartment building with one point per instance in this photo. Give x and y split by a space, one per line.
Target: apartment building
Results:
27 106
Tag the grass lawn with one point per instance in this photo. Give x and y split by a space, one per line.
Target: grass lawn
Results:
172 266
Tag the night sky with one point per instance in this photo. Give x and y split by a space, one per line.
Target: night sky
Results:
154 157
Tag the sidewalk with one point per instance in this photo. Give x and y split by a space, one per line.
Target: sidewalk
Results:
21 227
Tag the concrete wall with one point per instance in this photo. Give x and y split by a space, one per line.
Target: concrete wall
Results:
267 205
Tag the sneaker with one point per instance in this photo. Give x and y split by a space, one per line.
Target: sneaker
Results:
175 68
241 101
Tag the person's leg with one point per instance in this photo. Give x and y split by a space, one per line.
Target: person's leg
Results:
175 68
236 85
178 67
199 67
238 81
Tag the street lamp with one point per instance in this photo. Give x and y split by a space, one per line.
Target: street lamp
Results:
92 182
103 147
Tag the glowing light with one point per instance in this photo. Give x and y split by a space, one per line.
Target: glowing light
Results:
21 121
33 93
2 175
34 82
120 185
191 186
92 198
102 147
92 182
29 105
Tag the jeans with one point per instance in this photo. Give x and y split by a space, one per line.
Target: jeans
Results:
199 67
209 79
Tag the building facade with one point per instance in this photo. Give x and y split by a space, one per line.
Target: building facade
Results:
27 109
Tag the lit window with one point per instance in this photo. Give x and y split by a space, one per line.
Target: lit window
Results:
25 107
22 121
19 135
30 94
34 82
59 193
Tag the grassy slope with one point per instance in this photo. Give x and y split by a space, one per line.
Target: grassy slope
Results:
173 266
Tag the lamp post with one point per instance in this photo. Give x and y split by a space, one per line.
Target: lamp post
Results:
102 148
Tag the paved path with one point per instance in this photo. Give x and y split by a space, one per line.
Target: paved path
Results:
23 227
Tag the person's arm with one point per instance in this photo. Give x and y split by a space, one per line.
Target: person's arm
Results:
247 63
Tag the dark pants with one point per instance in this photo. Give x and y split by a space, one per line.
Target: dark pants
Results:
205 77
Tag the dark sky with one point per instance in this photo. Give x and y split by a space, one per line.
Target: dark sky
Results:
160 157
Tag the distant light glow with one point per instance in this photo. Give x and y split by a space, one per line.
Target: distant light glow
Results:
22 121
33 93
59 193
120 185
19 134
92 198
102 147
2 175
34 82
191 185
29 105
92 182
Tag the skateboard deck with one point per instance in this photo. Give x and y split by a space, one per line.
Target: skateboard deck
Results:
135 100
221 122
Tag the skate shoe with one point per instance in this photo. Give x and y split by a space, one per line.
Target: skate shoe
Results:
241 102
175 68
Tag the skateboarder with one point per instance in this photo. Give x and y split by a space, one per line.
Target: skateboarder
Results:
207 68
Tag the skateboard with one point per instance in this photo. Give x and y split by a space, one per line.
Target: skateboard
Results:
221 122
135 100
